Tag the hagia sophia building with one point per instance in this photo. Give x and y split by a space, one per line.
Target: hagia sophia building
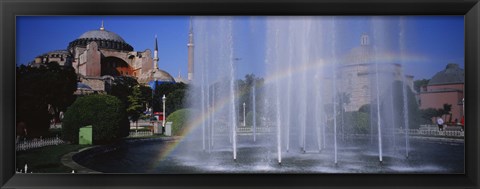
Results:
98 56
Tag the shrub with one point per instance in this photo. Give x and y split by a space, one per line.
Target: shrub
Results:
105 113
179 120
357 122
249 119
414 114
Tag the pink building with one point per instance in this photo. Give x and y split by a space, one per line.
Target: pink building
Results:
445 87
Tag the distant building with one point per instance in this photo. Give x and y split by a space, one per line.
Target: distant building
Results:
357 73
445 87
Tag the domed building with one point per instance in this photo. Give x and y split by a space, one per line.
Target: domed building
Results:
62 57
445 87
358 71
101 55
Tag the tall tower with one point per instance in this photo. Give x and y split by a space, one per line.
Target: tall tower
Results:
364 40
190 52
155 55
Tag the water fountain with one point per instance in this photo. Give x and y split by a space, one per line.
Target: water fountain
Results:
310 67
300 69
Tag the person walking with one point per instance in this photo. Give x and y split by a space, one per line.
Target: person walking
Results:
440 123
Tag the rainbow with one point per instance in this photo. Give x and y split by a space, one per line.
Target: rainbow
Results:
281 74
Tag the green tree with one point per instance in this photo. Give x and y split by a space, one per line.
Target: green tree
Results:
245 88
40 87
444 111
175 100
365 108
137 102
122 87
428 114
166 89
106 113
414 115
357 122
418 84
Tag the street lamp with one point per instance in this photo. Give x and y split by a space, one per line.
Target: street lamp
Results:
164 99
244 115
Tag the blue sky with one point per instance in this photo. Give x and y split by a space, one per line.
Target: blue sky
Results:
439 40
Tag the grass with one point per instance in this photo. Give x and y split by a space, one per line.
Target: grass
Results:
46 159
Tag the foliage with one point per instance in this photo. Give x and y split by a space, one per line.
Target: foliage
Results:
365 108
417 84
38 87
445 110
249 118
105 113
428 115
175 101
245 88
179 120
137 102
414 115
176 97
357 122
343 99
122 87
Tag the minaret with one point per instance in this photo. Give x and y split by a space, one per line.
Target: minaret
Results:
190 52
364 40
101 27
155 55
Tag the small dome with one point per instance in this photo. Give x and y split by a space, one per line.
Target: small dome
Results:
162 76
451 75
102 34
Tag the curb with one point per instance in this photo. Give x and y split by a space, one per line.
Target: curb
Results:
68 161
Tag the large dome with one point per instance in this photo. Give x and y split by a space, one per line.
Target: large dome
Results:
102 34
452 74
104 39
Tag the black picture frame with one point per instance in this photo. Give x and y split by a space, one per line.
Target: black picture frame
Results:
10 9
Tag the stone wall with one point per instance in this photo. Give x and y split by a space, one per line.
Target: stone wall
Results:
95 83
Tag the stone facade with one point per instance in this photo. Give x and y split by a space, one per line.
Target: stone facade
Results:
62 57
357 75
97 54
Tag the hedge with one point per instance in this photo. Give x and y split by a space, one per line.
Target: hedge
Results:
105 113
180 120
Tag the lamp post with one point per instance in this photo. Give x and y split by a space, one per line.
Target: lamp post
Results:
244 123
164 99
